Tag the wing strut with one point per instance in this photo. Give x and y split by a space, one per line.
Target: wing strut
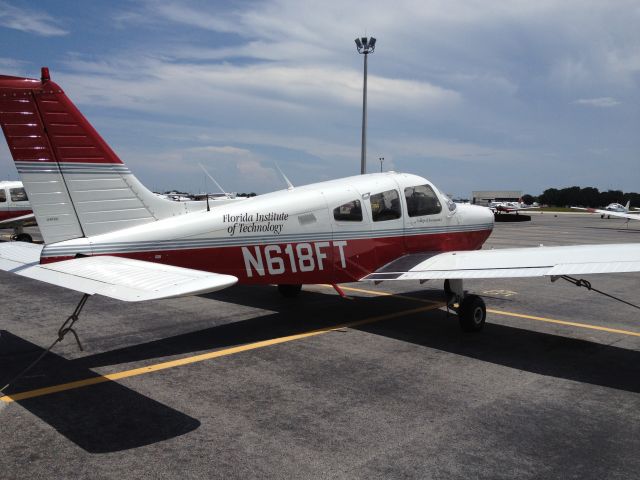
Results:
65 328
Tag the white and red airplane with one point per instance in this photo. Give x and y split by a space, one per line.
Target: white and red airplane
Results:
15 210
614 210
510 207
105 233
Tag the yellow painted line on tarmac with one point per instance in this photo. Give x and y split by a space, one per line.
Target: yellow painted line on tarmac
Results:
508 314
206 356
564 322
385 294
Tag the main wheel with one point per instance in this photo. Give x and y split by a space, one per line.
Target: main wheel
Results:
23 237
289 291
472 313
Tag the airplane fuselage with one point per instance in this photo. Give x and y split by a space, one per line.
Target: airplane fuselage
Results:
13 200
330 232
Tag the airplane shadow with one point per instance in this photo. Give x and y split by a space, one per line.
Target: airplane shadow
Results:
111 417
536 352
104 418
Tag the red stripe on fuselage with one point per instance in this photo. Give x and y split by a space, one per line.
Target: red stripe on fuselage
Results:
336 261
7 215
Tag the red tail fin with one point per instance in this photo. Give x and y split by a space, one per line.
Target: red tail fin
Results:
76 184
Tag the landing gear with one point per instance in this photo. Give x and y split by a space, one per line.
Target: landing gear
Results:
22 237
471 309
472 313
289 290
447 290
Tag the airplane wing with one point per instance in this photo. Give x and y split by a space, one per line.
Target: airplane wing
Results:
630 216
121 278
10 222
513 262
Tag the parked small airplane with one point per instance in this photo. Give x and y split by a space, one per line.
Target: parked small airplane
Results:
15 210
106 234
510 207
614 210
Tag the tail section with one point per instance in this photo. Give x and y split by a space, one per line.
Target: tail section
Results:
77 185
627 207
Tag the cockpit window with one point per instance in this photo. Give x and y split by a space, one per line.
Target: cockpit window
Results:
18 195
385 206
349 212
422 200
3 196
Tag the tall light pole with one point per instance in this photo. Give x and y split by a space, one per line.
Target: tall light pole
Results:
364 46
381 160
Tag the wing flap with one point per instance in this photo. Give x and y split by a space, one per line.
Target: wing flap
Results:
518 262
120 278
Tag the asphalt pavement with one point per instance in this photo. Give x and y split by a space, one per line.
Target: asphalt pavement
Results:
243 383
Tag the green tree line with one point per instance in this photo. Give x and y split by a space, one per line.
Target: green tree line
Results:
582 197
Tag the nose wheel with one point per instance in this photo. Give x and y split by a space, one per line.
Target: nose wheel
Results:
471 310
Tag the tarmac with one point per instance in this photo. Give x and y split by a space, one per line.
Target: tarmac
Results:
246 384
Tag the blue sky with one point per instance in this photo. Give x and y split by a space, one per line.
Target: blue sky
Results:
474 95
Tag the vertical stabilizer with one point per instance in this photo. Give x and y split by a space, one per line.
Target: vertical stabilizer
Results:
76 184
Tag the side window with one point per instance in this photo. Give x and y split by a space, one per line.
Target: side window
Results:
349 212
422 200
18 195
3 196
385 206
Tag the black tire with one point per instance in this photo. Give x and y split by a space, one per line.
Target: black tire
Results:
289 291
472 313
24 237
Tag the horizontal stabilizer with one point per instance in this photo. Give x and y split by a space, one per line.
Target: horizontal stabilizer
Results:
115 277
514 262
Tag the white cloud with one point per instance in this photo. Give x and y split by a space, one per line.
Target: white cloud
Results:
453 83
226 150
117 83
29 20
602 102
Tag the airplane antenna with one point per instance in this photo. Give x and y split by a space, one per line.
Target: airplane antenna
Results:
289 184
212 179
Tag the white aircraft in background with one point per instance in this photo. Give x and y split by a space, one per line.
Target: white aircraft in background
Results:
15 210
510 207
614 210
105 233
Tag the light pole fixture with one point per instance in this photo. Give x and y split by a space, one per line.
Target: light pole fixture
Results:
365 46
381 160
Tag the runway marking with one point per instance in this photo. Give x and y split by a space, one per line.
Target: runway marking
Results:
510 314
564 322
207 356
381 293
